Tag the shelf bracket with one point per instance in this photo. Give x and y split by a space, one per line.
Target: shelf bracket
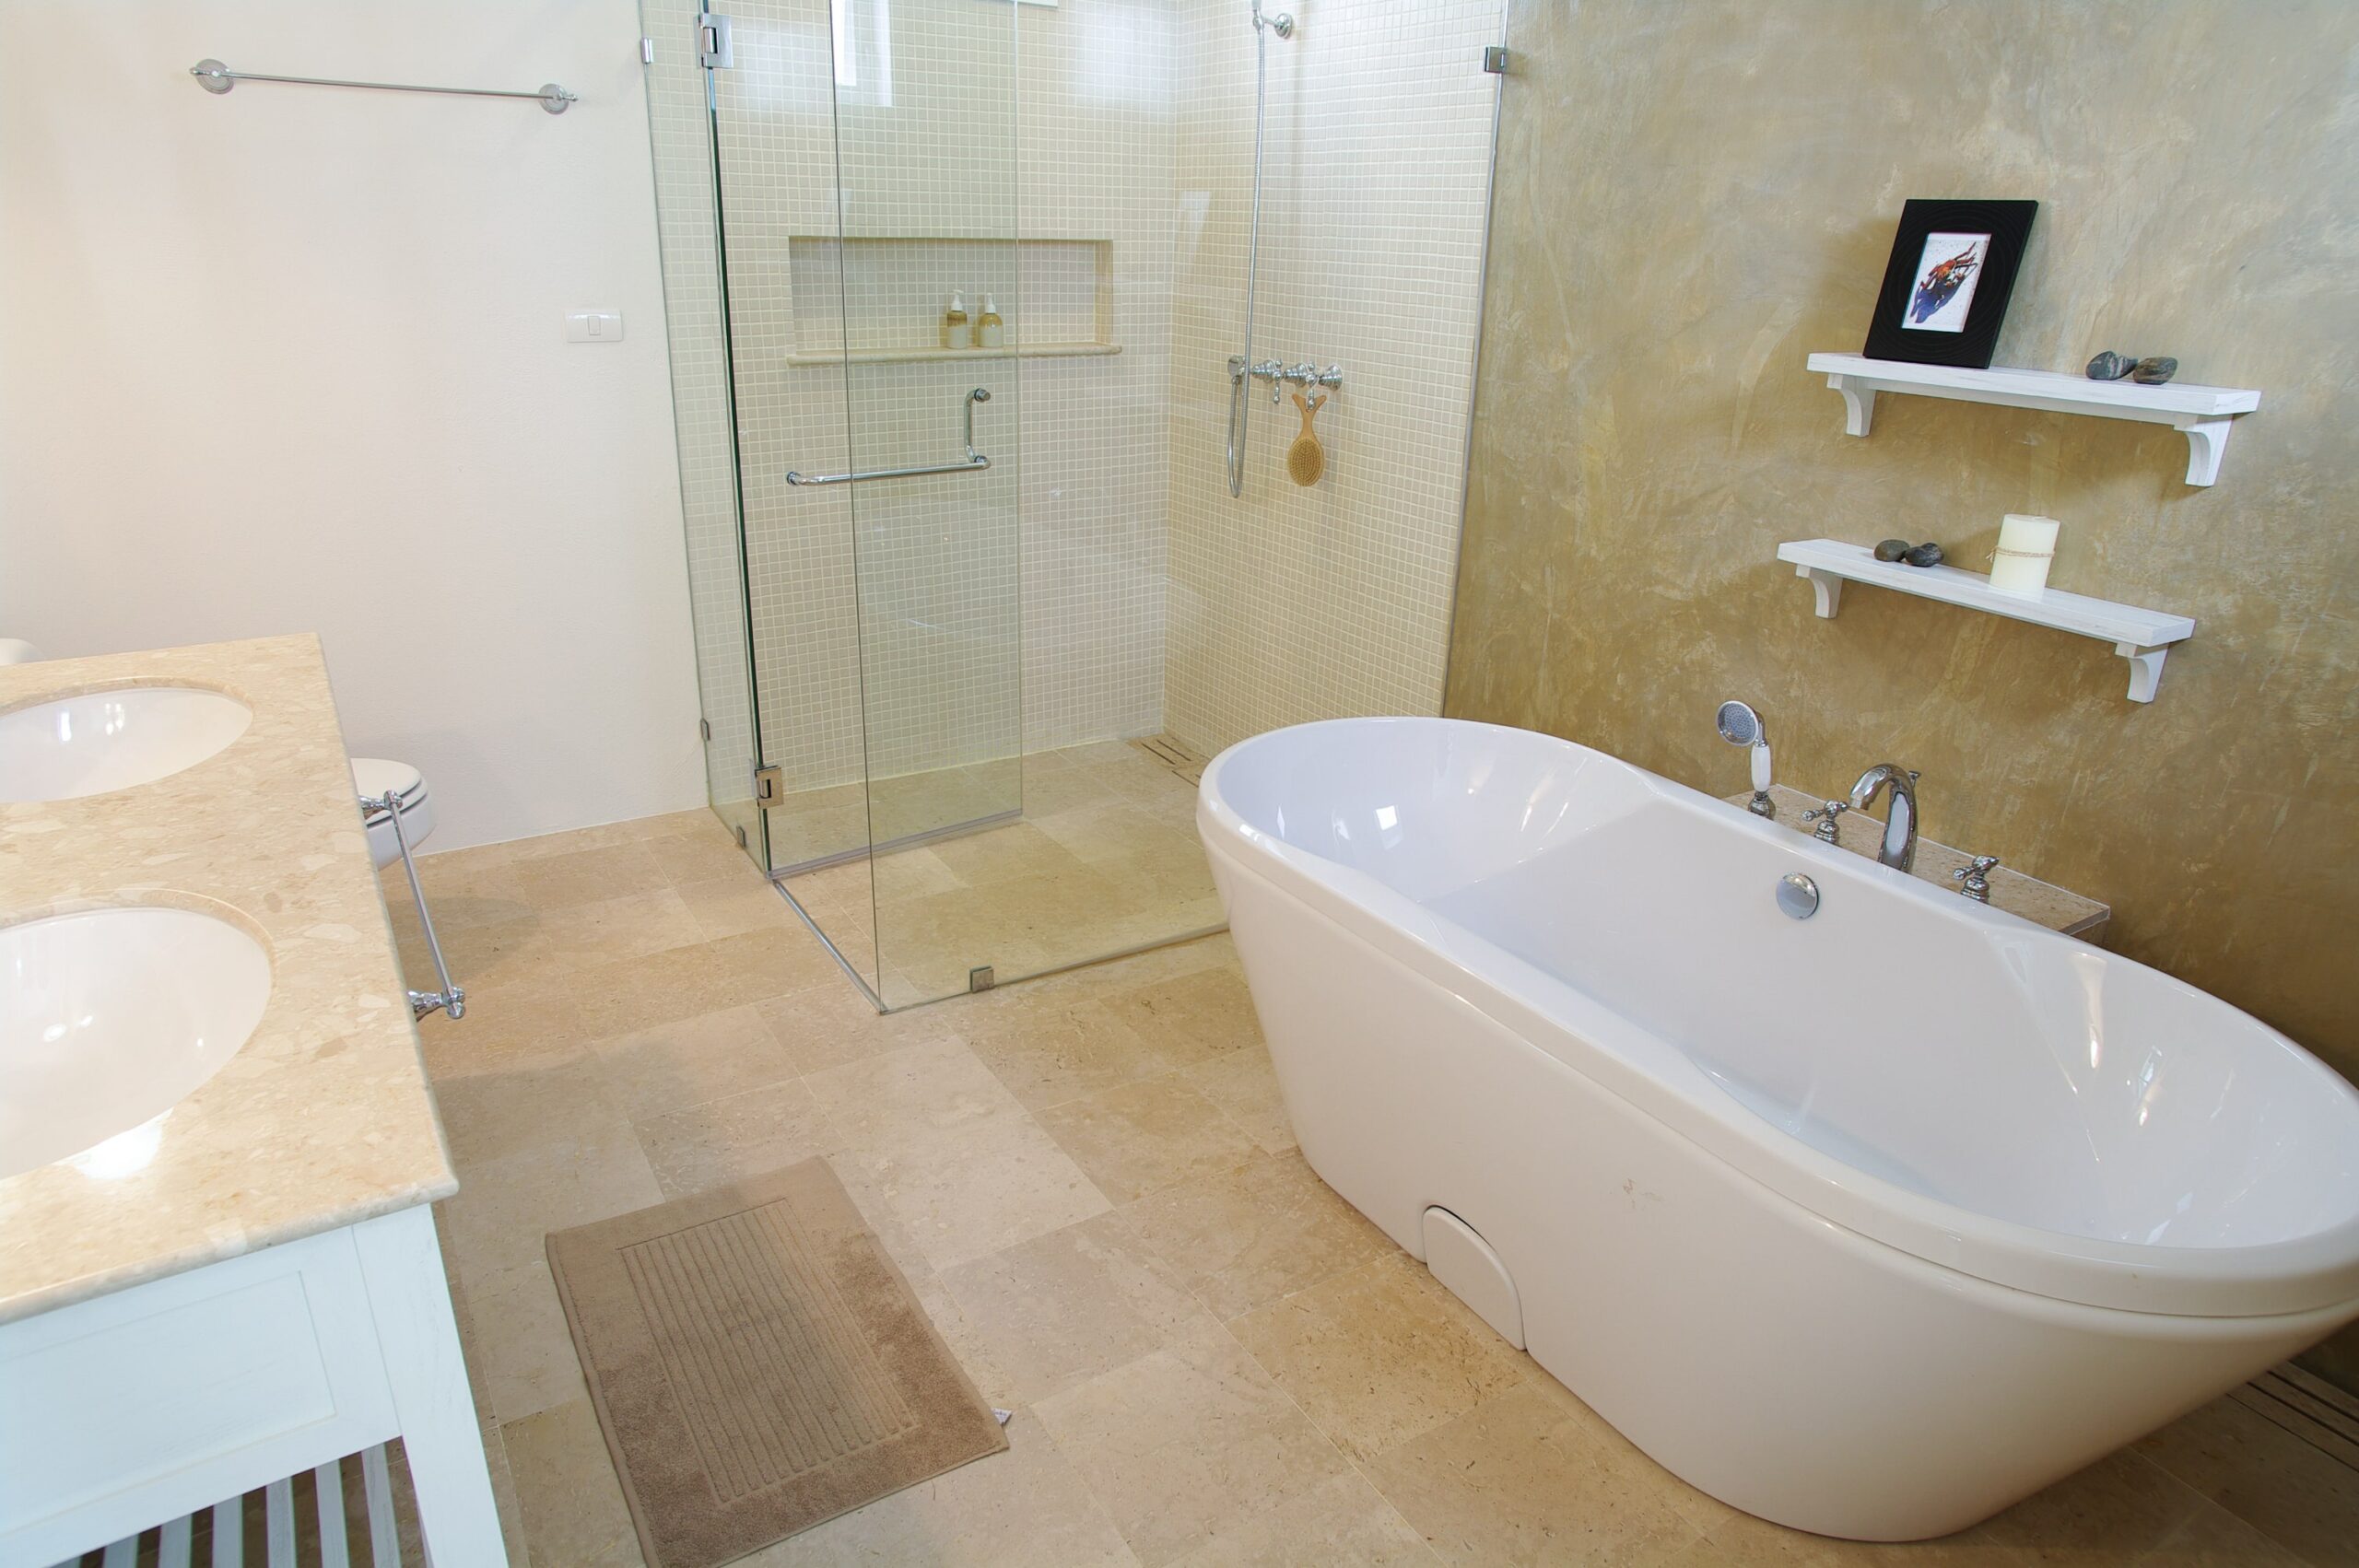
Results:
1858 405
2145 668
1827 586
2207 442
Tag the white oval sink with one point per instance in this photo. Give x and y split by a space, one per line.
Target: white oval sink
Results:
113 740
111 1017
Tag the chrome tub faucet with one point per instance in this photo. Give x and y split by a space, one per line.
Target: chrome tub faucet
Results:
1899 849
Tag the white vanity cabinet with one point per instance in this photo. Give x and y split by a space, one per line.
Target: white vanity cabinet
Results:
138 1408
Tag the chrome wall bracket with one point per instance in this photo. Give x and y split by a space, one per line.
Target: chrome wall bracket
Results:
450 999
715 52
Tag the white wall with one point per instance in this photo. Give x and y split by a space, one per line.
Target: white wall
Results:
294 360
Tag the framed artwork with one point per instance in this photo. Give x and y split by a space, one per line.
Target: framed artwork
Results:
1946 287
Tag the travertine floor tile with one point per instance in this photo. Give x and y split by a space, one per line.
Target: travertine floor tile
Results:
1743 1541
1019 1509
1244 1085
1189 1019
604 929
2292 1492
1140 1138
1380 1354
699 856
629 994
505 1206
1534 1477
574 1508
743 900
1062 1308
1342 1523
735 1138
518 1344
910 1094
962 1194
1049 1055
1244 1237
487 1115
1188 1443
630 1039
831 1024
2124 1508
689 1061
530 1023
550 881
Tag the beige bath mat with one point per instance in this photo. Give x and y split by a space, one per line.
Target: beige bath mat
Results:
759 1365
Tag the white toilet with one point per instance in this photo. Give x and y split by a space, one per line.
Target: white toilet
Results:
375 778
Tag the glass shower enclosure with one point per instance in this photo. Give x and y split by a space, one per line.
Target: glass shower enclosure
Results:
932 559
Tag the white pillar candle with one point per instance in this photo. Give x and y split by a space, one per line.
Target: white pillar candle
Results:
2027 545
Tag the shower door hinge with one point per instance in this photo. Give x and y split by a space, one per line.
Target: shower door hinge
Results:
768 781
647 52
1494 59
704 729
712 41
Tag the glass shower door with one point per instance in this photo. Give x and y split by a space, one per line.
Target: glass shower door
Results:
925 155
864 156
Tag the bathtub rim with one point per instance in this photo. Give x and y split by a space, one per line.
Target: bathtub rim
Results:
2314 1273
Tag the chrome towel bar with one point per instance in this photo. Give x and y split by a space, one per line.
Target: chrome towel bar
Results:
215 77
975 462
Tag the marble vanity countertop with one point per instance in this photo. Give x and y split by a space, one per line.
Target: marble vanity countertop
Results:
324 1118
2040 901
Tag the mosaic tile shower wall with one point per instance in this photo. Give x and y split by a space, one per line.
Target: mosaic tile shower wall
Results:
1099 583
1292 605
910 665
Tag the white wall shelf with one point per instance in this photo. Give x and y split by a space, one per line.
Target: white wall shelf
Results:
915 355
2205 414
2143 636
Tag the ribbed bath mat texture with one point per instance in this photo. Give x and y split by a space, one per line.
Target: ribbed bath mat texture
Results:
759 1365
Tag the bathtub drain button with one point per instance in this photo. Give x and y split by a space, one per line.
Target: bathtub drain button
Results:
1798 895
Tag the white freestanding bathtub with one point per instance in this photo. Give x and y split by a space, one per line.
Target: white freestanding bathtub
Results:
1870 1223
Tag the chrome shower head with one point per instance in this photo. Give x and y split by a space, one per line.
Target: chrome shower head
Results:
1740 726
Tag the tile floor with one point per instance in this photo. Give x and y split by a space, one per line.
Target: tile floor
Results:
1104 859
1089 1182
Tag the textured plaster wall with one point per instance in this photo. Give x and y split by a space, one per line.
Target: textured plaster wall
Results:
1692 197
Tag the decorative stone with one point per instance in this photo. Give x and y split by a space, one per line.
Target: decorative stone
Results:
2156 371
1926 555
1892 549
2111 367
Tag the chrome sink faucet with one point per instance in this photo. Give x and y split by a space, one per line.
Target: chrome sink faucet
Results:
1899 849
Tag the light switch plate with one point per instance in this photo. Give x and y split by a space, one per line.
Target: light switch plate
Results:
593 326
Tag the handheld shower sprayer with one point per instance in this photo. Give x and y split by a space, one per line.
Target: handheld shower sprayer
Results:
1240 366
1740 726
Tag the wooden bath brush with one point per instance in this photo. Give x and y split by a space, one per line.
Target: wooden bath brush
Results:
1305 459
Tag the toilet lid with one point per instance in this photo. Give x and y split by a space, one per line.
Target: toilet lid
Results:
375 777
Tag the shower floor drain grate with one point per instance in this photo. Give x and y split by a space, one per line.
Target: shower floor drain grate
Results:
2310 1408
1175 756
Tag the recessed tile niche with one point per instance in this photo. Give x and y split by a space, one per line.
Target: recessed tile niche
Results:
886 294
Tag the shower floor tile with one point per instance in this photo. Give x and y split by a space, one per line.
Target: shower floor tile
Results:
1095 852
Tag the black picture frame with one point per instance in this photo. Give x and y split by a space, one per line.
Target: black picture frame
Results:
1945 308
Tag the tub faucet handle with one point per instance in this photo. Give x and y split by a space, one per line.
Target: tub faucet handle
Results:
1825 816
1974 880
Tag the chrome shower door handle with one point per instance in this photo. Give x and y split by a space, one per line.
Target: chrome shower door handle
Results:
974 462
